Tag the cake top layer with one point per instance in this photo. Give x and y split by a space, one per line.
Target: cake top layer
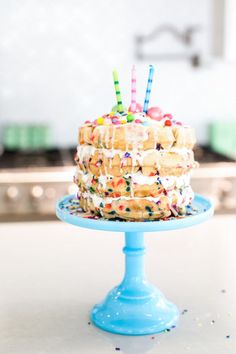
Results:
154 116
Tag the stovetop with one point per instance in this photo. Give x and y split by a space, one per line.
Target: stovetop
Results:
204 154
64 157
42 158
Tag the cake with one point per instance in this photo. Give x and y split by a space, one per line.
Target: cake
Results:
135 165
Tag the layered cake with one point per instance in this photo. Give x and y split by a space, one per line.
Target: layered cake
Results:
135 165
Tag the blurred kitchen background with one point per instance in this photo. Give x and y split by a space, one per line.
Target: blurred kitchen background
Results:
56 61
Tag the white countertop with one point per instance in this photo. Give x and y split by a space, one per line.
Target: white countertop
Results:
51 274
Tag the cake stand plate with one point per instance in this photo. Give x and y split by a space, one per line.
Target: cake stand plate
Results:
134 307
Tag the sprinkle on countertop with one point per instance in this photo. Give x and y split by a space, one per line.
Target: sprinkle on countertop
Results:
184 311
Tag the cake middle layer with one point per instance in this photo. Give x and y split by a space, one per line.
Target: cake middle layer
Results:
115 162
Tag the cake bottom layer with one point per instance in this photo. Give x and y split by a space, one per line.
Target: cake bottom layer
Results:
147 208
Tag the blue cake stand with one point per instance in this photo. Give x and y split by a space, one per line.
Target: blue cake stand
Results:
134 307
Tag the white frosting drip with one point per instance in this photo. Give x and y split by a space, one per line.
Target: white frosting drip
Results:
103 181
86 177
136 135
83 151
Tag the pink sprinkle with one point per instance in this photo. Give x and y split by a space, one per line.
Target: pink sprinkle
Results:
87 122
168 115
178 123
95 122
138 121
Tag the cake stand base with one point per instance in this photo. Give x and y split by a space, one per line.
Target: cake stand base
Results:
137 315
135 307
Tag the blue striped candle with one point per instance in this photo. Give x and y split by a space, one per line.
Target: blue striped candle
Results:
148 90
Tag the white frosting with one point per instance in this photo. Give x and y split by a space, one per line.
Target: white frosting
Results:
97 200
139 178
180 151
168 182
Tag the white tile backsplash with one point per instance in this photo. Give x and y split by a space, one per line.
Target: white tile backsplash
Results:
56 58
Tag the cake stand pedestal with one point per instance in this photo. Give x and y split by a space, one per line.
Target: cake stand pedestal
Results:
135 307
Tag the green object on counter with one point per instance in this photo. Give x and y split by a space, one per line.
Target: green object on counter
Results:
26 137
11 137
222 138
40 136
